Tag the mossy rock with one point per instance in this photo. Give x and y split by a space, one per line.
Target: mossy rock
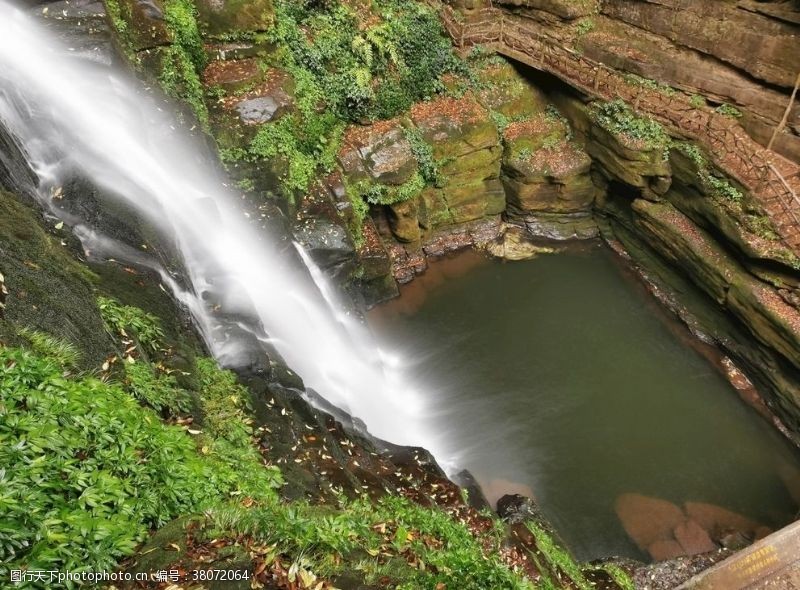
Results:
139 23
48 290
404 221
635 168
482 164
433 211
507 91
743 225
232 18
550 195
475 200
455 127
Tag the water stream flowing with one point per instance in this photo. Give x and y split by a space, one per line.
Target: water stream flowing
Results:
73 116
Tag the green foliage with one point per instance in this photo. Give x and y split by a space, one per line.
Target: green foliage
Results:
697 101
370 72
617 117
423 152
85 471
115 14
717 186
158 390
500 120
280 138
360 213
729 111
344 72
650 84
392 526
383 194
181 19
184 58
121 319
57 350
584 26
722 187
557 557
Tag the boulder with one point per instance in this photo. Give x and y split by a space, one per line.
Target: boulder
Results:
263 109
145 26
379 152
650 523
693 539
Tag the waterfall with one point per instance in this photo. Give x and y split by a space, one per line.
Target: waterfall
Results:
75 116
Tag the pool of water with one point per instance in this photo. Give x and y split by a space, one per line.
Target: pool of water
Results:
563 379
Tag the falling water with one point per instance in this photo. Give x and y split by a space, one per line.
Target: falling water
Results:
71 115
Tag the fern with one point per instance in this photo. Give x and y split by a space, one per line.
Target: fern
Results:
57 350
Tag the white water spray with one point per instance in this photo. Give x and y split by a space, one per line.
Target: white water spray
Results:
70 115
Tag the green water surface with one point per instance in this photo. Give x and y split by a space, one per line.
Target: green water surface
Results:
563 378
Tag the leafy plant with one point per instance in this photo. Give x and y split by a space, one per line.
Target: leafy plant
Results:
59 351
583 26
697 101
423 152
727 110
158 390
121 319
616 116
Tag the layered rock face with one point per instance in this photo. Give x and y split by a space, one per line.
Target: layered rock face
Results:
744 53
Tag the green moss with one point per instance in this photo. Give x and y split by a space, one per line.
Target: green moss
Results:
697 101
620 577
307 143
182 61
717 186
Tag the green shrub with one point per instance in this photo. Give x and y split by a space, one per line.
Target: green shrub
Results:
85 471
583 26
159 390
121 319
617 117
59 351
727 110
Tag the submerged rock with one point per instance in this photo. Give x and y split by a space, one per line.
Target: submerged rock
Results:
516 244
